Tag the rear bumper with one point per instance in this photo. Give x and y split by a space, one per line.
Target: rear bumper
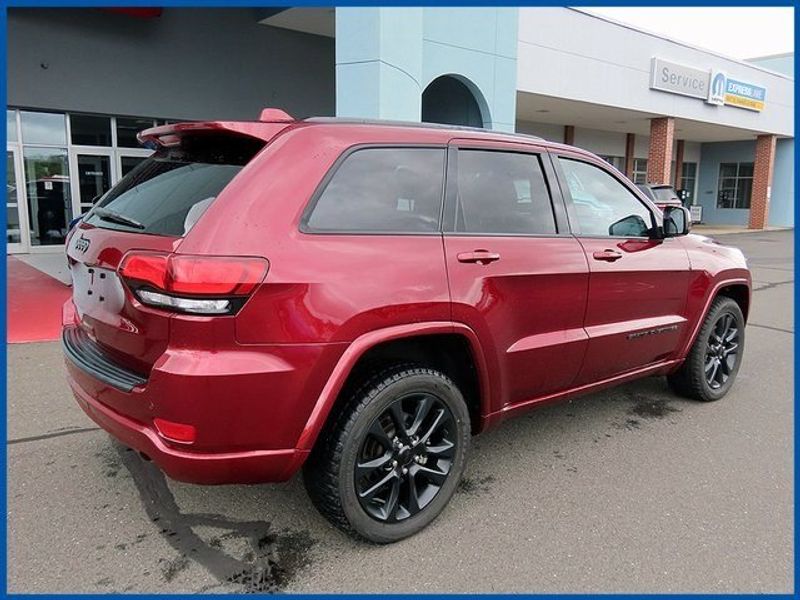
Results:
249 405
257 466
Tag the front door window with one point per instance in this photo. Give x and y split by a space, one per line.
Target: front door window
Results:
602 205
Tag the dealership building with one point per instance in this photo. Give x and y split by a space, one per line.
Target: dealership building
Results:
83 82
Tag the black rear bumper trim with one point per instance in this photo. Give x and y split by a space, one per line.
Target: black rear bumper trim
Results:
88 356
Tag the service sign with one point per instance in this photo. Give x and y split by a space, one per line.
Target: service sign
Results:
714 87
671 77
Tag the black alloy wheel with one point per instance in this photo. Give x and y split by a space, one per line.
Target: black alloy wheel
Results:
392 457
722 351
405 457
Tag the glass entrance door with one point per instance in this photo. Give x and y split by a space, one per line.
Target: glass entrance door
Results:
94 178
16 226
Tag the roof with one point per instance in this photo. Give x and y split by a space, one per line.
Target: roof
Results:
418 125
167 135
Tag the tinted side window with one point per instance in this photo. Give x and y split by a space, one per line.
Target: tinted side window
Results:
502 193
603 206
383 190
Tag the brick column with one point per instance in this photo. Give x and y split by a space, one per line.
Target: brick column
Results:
630 144
659 157
679 148
569 135
762 181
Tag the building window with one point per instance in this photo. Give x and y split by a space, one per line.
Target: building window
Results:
89 130
59 165
43 128
618 162
48 191
735 185
688 181
639 170
11 126
127 129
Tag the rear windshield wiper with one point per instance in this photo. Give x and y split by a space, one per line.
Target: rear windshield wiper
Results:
114 217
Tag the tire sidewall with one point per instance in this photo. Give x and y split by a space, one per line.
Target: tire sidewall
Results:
359 520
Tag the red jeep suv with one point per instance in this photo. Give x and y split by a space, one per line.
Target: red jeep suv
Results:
358 299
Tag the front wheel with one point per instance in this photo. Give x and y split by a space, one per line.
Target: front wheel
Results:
393 457
714 359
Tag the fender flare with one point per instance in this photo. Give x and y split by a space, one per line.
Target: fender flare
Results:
365 342
711 296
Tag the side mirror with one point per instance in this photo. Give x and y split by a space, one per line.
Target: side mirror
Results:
677 221
630 226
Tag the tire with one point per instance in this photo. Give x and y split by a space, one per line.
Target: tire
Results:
359 434
694 378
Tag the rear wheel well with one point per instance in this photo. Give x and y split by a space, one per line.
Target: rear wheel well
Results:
450 354
740 294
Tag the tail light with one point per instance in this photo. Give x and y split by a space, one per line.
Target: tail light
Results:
206 285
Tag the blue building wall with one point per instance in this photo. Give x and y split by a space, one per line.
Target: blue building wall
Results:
780 63
386 57
711 155
781 204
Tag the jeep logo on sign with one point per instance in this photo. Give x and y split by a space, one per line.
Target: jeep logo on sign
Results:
82 244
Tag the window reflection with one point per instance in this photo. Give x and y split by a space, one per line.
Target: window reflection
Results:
94 178
11 126
43 128
13 233
49 202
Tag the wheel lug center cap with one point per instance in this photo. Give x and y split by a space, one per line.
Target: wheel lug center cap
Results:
405 456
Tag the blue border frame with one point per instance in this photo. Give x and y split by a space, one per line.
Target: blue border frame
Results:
278 3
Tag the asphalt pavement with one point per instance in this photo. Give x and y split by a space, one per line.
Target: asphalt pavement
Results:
630 490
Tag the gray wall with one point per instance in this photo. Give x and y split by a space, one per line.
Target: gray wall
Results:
185 64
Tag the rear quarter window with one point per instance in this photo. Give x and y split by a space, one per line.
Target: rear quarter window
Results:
382 190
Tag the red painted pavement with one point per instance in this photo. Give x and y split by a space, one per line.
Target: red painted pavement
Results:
34 303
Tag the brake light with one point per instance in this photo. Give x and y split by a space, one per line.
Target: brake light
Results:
193 284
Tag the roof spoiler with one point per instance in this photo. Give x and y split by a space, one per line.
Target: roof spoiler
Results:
275 115
270 123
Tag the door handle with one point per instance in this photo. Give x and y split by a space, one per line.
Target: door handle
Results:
483 257
607 255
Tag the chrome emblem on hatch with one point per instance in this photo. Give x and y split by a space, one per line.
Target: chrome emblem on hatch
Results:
82 244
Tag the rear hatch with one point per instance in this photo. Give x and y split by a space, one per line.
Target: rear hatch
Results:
125 276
